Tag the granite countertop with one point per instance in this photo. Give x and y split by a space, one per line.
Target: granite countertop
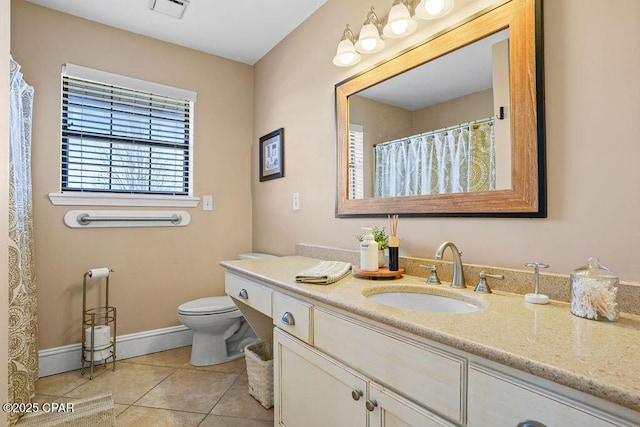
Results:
597 357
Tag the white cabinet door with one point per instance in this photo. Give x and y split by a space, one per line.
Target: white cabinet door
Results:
312 390
387 409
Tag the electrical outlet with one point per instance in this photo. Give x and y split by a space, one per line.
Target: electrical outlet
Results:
207 203
296 201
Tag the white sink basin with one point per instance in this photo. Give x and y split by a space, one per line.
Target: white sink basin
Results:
424 302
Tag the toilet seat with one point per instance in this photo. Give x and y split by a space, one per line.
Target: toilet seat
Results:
207 306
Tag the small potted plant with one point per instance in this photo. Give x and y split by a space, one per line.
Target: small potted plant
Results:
381 238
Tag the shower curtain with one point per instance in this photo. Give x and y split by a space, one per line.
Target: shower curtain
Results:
446 161
23 321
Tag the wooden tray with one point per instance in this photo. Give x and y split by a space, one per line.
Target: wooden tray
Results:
382 273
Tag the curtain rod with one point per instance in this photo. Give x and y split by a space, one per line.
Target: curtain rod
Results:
447 129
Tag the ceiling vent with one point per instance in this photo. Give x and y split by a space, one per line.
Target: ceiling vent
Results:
174 8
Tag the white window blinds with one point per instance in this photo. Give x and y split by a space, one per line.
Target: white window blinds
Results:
356 162
122 135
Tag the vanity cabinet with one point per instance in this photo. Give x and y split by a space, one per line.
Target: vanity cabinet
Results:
292 316
427 375
313 389
249 292
254 301
333 368
336 382
497 399
393 410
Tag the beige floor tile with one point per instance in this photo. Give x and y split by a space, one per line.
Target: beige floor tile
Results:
61 384
136 416
189 390
176 358
119 408
149 379
237 366
128 383
219 421
237 402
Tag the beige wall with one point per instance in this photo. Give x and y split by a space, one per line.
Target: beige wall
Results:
156 269
592 110
470 107
5 9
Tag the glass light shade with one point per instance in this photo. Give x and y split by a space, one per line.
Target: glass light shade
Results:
399 23
433 9
346 54
369 40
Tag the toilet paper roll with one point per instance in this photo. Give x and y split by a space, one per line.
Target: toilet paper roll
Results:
98 356
96 273
102 336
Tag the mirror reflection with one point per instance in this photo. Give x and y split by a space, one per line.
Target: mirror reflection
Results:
510 179
442 127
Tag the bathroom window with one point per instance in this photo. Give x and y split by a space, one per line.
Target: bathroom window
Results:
125 139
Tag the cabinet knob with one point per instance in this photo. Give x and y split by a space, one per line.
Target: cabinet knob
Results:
371 405
243 294
530 423
287 319
356 394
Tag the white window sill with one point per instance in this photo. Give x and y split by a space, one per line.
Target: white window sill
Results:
105 199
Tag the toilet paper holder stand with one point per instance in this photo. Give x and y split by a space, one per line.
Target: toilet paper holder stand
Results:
102 319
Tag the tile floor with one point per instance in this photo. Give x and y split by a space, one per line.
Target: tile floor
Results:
163 389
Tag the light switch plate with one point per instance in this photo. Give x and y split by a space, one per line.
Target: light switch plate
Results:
207 203
296 201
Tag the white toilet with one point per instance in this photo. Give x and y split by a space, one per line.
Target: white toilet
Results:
220 332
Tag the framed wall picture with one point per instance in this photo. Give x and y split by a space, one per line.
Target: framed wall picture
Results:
272 155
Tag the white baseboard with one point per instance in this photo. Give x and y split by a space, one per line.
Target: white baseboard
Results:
67 358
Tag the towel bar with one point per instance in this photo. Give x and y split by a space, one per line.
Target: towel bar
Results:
125 218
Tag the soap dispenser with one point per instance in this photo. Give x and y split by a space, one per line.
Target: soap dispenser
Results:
368 251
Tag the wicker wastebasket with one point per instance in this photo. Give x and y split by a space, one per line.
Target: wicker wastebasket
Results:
259 358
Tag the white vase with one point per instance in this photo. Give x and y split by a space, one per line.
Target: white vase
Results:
381 258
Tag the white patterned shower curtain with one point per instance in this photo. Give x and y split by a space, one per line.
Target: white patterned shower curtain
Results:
447 161
23 320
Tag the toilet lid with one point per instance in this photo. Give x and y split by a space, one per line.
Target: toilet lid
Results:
209 305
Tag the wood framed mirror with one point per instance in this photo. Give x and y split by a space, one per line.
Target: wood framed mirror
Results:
517 155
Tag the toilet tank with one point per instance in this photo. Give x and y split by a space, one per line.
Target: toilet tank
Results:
255 255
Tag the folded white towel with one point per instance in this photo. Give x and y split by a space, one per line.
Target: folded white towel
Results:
324 273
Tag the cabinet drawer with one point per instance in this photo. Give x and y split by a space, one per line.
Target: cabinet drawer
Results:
498 400
426 375
249 292
293 316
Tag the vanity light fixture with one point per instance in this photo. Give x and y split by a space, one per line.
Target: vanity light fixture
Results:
346 54
369 40
433 9
400 23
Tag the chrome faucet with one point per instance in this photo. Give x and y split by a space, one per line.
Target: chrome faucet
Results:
457 281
